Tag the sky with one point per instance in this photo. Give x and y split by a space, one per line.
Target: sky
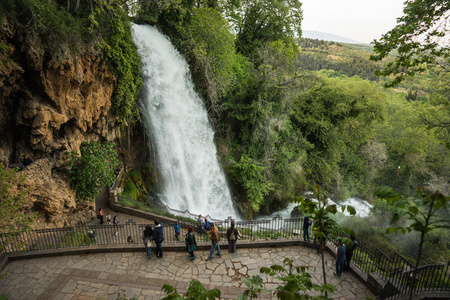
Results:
359 20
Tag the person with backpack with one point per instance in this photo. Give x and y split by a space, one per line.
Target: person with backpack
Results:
158 237
215 239
349 253
191 244
147 236
207 225
232 236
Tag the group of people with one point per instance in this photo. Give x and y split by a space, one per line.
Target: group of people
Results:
115 220
344 255
156 235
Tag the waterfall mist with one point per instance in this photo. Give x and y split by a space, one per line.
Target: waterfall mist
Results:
177 121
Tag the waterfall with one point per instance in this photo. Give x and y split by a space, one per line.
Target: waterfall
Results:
177 121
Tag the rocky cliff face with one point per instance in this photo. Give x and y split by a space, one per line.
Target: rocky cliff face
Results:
49 107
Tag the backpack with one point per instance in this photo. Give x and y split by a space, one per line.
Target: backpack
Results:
232 236
207 226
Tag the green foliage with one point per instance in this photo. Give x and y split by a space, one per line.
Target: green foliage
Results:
255 285
260 22
63 27
13 218
418 38
346 59
139 183
323 224
212 46
297 282
423 214
93 169
336 115
121 55
419 151
196 291
250 176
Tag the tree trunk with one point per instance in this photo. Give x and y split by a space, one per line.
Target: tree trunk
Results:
413 279
322 246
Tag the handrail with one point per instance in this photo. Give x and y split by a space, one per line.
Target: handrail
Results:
397 272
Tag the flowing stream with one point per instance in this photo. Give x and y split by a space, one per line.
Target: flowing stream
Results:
178 123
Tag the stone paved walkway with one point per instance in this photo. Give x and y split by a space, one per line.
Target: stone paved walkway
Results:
113 275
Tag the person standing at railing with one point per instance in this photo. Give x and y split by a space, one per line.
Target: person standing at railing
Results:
200 225
232 236
306 224
215 239
177 229
207 225
349 253
158 236
340 258
147 236
100 215
116 222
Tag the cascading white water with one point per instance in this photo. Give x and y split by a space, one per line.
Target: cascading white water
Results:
176 118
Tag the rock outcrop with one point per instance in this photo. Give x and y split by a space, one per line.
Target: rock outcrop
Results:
47 108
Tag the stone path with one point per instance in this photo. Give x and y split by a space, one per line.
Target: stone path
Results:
113 275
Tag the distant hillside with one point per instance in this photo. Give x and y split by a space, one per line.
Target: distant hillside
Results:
347 59
327 37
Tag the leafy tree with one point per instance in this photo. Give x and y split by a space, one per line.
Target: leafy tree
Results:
257 22
321 211
418 39
336 116
427 212
419 151
93 169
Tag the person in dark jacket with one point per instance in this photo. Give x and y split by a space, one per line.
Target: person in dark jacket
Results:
158 236
306 224
349 253
147 236
26 162
340 258
232 236
191 244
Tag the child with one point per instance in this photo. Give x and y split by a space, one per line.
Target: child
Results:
108 219
177 228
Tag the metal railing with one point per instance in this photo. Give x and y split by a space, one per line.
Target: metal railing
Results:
397 272
427 278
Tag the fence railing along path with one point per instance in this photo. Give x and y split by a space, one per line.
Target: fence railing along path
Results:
396 273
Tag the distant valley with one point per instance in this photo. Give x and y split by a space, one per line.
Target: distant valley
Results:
327 37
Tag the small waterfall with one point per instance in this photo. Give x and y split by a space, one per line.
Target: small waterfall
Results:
178 123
